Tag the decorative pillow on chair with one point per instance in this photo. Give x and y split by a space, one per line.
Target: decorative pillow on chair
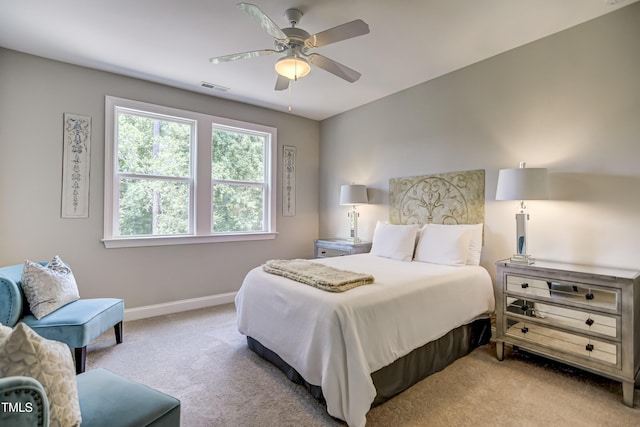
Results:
23 352
394 241
48 287
5 331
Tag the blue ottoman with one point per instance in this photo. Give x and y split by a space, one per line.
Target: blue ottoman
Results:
107 399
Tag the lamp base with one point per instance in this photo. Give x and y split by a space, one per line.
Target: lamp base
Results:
522 259
353 226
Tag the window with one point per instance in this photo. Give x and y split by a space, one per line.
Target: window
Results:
154 173
177 177
238 180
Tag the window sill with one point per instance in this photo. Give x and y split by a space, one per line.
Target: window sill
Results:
133 242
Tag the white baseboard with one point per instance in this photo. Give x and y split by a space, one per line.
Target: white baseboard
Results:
177 306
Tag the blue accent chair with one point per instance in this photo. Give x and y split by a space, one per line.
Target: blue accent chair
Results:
75 324
106 400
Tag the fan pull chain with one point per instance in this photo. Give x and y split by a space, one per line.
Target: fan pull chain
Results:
289 90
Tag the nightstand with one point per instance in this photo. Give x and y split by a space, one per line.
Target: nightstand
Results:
325 248
584 316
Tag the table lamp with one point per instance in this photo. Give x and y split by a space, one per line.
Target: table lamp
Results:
522 184
354 195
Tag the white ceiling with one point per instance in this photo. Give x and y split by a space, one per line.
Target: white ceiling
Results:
171 41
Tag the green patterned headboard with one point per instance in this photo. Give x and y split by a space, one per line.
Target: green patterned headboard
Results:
444 198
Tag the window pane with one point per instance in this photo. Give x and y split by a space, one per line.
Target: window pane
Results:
153 207
238 156
237 208
149 146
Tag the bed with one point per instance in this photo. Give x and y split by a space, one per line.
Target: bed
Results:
358 348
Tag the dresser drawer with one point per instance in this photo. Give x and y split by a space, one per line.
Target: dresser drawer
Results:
328 252
578 320
565 292
577 345
585 321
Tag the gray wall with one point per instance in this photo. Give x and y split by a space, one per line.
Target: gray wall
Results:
34 94
569 102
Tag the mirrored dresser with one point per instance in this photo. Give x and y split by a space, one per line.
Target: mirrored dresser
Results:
324 248
585 316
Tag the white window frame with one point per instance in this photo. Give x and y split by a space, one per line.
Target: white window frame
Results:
200 210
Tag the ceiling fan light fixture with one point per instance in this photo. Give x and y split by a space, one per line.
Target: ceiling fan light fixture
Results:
292 67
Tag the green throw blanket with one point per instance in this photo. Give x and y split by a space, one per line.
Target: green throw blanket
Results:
317 275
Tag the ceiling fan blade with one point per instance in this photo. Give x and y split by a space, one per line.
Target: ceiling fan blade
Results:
341 32
282 83
243 55
263 20
334 67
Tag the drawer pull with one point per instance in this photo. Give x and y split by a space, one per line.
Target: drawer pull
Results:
589 296
589 347
524 285
525 330
589 322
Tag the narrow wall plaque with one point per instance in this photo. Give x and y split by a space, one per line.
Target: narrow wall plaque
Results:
288 181
76 158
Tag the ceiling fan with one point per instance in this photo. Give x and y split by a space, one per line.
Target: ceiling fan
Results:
296 43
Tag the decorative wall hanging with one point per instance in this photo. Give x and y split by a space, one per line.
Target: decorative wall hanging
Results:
445 198
76 166
289 181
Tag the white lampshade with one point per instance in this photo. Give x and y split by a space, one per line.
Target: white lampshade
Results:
522 184
293 67
352 194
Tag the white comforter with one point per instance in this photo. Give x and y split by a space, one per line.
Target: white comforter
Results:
341 338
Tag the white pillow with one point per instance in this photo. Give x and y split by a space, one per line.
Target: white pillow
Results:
475 244
443 245
48 287
394 241
25 353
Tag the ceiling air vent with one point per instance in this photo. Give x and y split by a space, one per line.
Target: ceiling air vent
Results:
214 86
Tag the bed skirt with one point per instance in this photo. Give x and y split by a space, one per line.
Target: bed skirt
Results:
406 371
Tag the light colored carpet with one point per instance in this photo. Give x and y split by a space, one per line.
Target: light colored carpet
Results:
200 358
